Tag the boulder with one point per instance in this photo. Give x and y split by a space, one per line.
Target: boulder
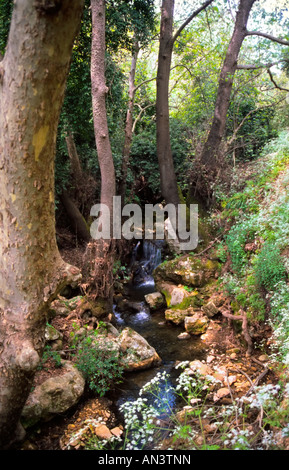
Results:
59 307
212 307
52 334
196 324
137 353
178 296
54 396
176 316
155 300
187 270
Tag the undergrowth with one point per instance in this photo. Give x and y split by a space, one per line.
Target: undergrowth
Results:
257 243
257 421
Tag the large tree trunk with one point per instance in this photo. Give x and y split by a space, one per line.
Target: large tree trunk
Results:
128 123
100 253
33 74
169 187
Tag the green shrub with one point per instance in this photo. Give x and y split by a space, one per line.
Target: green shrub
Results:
48 354
99 362
269 267
236 240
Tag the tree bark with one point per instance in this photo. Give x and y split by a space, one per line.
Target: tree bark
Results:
100 253
99 91
34 71
217 129
128 123
169 186
79 225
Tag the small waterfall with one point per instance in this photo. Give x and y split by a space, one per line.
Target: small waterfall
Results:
147 255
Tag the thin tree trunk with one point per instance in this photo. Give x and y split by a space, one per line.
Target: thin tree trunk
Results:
128 123
101 251
34 71
74 159
99 91
169 186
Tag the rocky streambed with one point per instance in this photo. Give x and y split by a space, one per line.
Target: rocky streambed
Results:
157 323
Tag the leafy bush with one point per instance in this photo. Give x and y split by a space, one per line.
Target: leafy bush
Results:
269 268
49 354
98 360
236 240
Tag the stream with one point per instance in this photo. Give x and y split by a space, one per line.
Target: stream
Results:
160 334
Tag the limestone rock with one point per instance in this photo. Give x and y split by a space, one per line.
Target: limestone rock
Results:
184 335
196 324
137 353
54 396
175 316
52 334
188 270
59 307
212 307
155 300
200 367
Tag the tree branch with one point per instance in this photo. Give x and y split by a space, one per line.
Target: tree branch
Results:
267 36
190 18
257 67
244 320
142 110
274 83
144 82
231 140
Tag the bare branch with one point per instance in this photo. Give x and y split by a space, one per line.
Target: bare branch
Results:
144 82
257 67
274 83
142 110
231 140
267 36
190 18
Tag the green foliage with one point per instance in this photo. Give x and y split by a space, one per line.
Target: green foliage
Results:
269 267
50 354
99 362
123 17
236 240
6 7
144 163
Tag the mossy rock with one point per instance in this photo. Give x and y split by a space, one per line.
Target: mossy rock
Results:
188 270
196 324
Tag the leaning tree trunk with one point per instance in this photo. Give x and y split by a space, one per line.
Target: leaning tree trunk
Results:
226 80
100 253
33 74
169 186
208 159
79 225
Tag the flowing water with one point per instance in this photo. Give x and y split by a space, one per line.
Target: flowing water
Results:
152 326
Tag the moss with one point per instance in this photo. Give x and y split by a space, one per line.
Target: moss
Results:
167 296
191 301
